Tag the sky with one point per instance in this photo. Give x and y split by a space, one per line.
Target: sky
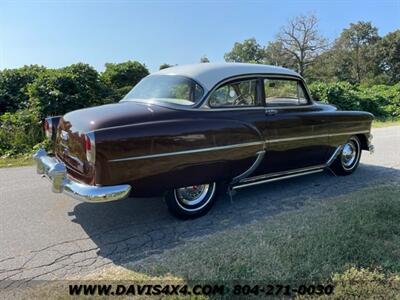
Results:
59 33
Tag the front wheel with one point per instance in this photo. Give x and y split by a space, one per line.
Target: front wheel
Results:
349 158
191 201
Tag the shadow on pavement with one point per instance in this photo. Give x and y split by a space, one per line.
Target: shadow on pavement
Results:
129 230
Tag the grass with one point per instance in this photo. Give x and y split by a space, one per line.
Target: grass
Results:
16 162
385 123
352 241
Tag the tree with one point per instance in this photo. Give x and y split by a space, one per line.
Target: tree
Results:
123 76
323 68
165 66
301 40
59 91
13 87
248 51
204 59
388 56
276 55
353 52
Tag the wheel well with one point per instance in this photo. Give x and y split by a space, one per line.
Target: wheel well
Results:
363 141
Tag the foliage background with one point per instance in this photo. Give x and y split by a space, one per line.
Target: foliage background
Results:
360 70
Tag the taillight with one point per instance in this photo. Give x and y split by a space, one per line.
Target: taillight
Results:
90 147
48 128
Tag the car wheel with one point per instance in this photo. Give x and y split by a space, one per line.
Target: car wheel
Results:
348 159
191 201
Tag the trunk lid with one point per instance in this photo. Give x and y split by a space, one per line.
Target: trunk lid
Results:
73 127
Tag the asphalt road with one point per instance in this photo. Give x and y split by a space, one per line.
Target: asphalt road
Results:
50 236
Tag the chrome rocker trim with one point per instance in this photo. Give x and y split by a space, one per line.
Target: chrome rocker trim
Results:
277 178
250 181
253 167
51 168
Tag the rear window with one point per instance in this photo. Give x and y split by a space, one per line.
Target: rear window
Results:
167 88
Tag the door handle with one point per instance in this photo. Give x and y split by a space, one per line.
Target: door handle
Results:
271 112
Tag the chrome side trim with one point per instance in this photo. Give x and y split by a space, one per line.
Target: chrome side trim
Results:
56 172
253 167
232 146
314 136
297 138
276 178
188 151
348 133
334 155
283 173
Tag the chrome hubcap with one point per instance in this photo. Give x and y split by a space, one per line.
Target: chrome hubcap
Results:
349 154
192 195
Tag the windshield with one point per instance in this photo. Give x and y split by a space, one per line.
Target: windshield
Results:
166 88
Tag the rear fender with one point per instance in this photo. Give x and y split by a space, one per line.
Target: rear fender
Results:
175 153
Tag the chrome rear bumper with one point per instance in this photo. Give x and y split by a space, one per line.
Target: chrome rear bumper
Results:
56 171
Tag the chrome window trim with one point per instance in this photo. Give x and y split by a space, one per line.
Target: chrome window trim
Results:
290 106
214 109
205 108
204 102
189 151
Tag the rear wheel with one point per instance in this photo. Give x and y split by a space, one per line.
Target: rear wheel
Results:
349 158
191 201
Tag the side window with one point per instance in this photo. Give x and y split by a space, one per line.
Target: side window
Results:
233 94
284 92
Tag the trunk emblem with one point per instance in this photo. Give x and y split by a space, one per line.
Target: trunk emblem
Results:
64 135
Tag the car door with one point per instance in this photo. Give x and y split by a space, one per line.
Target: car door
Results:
294 128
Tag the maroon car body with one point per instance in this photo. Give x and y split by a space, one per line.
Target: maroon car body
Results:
242 130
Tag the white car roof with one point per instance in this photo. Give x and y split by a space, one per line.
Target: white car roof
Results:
208 74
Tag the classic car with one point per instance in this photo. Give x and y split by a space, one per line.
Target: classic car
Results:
186 131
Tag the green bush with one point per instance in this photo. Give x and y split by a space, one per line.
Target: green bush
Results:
57 92
123 76
381 100
13 87
20 132
30 93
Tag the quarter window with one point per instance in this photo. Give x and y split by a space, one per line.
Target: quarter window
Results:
284 92
233 94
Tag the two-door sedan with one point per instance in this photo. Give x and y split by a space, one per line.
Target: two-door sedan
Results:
187 131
